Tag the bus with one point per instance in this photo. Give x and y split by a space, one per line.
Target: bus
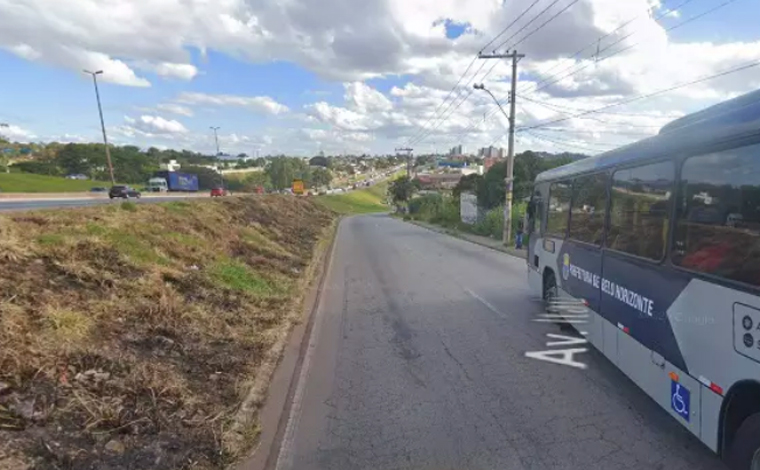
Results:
660 241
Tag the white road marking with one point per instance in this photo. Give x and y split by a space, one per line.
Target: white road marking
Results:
566 359
484 302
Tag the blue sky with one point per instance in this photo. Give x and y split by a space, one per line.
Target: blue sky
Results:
304 88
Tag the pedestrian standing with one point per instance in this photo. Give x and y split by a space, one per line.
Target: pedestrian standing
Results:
519 237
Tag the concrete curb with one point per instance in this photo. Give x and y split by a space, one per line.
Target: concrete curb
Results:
461 236
278 396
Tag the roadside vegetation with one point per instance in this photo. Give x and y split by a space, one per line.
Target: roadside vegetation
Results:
31 183
359 201
130 334
444 210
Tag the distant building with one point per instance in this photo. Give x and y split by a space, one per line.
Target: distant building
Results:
456 150
492 152
171 166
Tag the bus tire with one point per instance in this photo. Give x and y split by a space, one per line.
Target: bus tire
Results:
744 453
550 291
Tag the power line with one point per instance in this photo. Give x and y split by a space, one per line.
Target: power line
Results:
511 47
567 7
435 113
447 97
566 109
647 96
510 24
442 119
566 143
527 24
672 28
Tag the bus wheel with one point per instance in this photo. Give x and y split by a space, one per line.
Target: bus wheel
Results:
550 288
745 450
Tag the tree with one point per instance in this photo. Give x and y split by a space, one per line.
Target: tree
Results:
401 190
283 170
255 180
207 178
321 177
319 160
468 183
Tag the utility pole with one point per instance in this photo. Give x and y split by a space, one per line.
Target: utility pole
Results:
507 233
102 123
408 160
216 139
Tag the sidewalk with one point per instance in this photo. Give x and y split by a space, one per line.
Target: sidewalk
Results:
472 238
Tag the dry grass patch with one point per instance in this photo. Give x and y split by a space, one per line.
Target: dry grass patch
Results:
129 337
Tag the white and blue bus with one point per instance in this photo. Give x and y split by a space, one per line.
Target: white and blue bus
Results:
660 240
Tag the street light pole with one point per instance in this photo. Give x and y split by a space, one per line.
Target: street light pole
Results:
507 233
216 139
102 122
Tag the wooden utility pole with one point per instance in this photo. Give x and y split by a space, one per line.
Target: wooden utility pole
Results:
408 160
507 233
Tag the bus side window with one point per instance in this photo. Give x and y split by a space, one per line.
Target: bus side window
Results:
559 208
718 224
640 210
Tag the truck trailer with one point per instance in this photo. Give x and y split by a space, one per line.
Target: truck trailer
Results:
177 181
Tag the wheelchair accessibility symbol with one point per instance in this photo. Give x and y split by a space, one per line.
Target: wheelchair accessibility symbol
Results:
680 399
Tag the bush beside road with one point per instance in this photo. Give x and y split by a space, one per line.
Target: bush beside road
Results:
133 332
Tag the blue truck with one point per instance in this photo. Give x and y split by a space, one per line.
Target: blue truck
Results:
175 181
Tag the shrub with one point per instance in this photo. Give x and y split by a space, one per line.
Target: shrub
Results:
129 206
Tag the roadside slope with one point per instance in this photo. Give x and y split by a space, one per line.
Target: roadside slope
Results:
130 334
359 201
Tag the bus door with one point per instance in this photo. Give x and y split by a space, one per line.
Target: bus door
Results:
580 260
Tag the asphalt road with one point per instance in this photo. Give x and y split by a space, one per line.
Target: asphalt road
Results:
16 205
417 361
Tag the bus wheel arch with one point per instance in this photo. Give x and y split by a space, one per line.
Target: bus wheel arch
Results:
740 423
549 285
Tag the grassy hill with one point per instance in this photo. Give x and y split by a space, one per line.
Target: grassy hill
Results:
360 201
30 183
134 331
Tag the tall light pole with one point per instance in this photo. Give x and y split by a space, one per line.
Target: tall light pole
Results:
216 139
102 122
507 233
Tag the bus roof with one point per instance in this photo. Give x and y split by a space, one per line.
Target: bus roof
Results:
733 118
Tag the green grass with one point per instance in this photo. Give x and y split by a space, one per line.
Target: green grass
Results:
360 201
30 183
238 276
137 248
50 239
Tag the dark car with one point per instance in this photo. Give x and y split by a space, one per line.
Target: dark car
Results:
123 192
98 190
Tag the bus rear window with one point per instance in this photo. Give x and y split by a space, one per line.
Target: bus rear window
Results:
639 210
718 217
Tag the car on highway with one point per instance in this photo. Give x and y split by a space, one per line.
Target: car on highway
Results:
122 191
98 190
218 192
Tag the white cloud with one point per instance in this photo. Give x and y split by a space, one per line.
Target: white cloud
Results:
261 104
169 69
391 38
175 109
16 134
152 125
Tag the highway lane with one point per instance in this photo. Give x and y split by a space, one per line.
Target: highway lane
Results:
417 361
30 204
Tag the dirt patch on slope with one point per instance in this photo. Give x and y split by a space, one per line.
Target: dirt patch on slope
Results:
128 333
